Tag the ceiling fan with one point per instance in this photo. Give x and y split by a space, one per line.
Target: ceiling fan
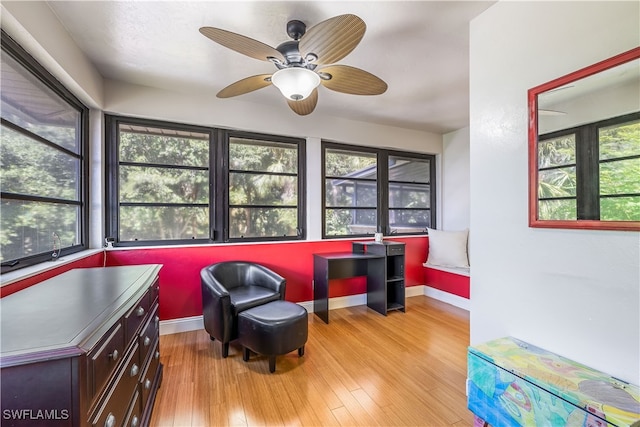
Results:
304 62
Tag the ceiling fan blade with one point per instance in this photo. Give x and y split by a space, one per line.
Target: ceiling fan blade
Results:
242 44
352 80
246 85
333 39
306 106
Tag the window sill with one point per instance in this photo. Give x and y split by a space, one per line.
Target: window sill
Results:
25 273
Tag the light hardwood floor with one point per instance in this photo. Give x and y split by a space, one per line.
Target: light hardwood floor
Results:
361 369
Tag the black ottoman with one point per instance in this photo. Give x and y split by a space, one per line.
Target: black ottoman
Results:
273 329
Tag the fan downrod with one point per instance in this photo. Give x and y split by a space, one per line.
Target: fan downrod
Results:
296 29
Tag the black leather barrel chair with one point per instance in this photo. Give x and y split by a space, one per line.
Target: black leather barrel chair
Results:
230 287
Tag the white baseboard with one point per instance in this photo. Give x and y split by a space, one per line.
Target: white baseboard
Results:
194 323
184 324
443 296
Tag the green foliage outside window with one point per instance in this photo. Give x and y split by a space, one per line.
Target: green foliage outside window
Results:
263 189
146 178
618 176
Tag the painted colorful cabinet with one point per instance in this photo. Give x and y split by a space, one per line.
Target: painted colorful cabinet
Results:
513 383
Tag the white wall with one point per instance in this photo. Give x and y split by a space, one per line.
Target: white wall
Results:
576 293
455 180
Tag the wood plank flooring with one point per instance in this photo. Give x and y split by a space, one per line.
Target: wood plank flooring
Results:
361 369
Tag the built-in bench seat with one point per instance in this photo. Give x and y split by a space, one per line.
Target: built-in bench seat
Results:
455 281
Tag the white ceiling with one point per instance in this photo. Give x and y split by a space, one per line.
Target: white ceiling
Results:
420 48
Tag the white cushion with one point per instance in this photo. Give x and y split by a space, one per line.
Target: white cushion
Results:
448 248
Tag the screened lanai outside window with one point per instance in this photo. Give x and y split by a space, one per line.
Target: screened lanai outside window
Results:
264 189
42 179
351 192
409 194
163 183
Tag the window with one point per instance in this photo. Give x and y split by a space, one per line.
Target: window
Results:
161 181
591 172
171 183
361 198
264 187
409 192
43 180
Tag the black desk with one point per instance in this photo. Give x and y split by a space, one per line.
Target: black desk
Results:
343 265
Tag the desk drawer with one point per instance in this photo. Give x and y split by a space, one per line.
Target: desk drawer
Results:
395 249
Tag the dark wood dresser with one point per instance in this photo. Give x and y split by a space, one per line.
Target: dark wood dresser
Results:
81 349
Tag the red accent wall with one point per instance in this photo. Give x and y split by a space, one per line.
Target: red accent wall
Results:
448 282
95 260
180 274
180 294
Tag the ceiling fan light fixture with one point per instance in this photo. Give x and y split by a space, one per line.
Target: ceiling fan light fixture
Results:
295 83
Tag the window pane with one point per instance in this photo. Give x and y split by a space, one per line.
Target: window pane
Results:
261 189
350 221
28 227
163 223
620 208
619 140
409 221
409 196
557 182
163 185
557 151
620 177
262 156
32 168
30 104
350 164
346 193
262 222
409 170
140 144
558 209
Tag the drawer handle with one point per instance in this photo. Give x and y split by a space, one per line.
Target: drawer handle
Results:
110 421
114 356
140 311
147 341
157 319
157 354
134 370
134 421
147 384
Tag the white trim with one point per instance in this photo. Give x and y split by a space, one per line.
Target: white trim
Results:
414 291
184 324
443 296
462 271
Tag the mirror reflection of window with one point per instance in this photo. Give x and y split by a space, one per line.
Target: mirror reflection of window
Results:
585 151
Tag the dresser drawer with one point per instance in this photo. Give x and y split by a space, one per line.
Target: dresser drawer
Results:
149 334
106 357
154 292
134 317
118 397
134 415
149 375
